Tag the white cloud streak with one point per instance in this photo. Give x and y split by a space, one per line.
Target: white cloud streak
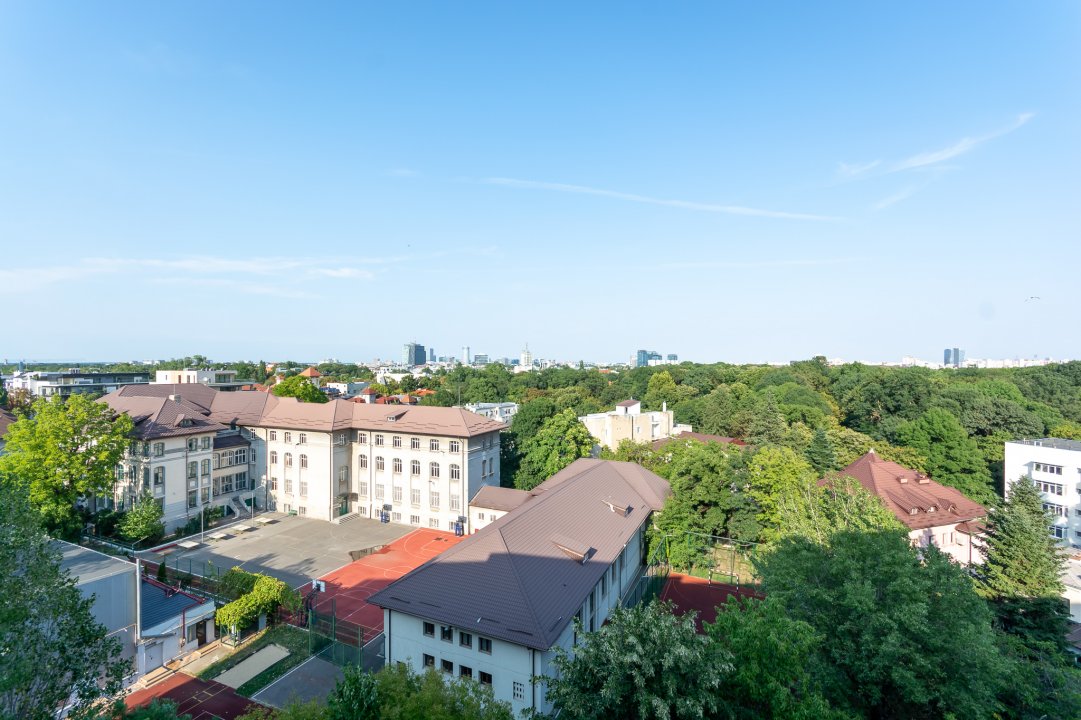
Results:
647 200
931 157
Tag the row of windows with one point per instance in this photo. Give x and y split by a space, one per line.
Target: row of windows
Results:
302 486
302 438
414 467
414 442
287 459
228 458
196 468
397 493
465 639
1050 487
465 671
196 443
1056 510
1044 467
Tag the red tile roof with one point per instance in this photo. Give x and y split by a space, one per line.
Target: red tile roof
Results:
310 373
915 499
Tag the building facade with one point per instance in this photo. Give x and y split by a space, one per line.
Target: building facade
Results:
414 354
415 465
218 379
1054 465
628 422
65 384
504 412
495 607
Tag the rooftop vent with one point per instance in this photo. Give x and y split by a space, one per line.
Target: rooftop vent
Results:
922 479
902 479
575 550
175 398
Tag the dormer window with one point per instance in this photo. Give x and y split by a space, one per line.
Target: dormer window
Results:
932 509
913 511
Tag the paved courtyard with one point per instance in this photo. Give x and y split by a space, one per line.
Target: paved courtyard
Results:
291 548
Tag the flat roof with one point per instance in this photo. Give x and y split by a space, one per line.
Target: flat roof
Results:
88 565
1056 443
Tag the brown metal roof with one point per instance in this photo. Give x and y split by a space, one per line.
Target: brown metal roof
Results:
162 417
252 408
628 403
915 499
521 579
493 497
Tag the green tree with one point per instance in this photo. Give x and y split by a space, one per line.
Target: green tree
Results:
20 400
51 646
904 635
561 440
643 663
1068 430
767 426
301 388
143 521
953 458
1022 574
355 696
158 709
64 451
820 452
771 654
779 478
841 504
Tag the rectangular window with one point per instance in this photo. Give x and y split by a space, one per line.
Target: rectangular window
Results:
362 437
242 456
206 446
1052 469
339 439
446 666
192 502
379 440
396 517
466 672
288 459
1056 510
288 437
159 476
455 446
485 678
303 461
429 629
397 465
465 639
414 519
414 497
519 691
303 438
433 445
273 483
159 449
484 645
379 463
1058 531
433 499
362 461
193 469
396 441
433 523
455 502
397 493
363 489
379 491
429 661
303 488
273 457
414 443
455 472
289 486
193 444
302 510
273 434
242 480
446 632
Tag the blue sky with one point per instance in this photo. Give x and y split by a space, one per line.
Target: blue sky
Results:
725 181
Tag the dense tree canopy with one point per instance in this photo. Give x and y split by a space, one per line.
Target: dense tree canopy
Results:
560 441
143 521
301 388
63 451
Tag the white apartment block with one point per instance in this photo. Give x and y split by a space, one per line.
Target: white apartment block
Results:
1055 466
502 411
413 465
219 379
495 607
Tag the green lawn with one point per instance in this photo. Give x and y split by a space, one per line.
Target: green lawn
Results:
295 640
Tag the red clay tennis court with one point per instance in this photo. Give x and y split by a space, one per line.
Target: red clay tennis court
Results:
348 588
688 593
202 699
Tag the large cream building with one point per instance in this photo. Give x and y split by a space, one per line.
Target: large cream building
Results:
628 422
412 465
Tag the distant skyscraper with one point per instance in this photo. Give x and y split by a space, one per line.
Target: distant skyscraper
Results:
526 358
413 354
480 359
672 357
641 358
467 359
953 357
431 355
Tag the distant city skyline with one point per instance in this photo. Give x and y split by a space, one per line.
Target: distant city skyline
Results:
725 182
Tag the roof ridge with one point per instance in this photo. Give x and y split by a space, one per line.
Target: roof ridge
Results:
518 582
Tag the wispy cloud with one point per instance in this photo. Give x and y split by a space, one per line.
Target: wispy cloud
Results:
756 264
247 275
647 200
929 158
896 197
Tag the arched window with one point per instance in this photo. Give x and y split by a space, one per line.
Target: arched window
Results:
455 472
273 457
379 462
363 461
303 461
288 459
397 465
414 467
433 469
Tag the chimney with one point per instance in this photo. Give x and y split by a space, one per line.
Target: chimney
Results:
175 398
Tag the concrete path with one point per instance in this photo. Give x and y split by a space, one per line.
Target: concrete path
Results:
237 675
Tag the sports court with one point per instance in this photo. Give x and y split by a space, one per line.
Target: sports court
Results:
701 595
348 588
202 699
